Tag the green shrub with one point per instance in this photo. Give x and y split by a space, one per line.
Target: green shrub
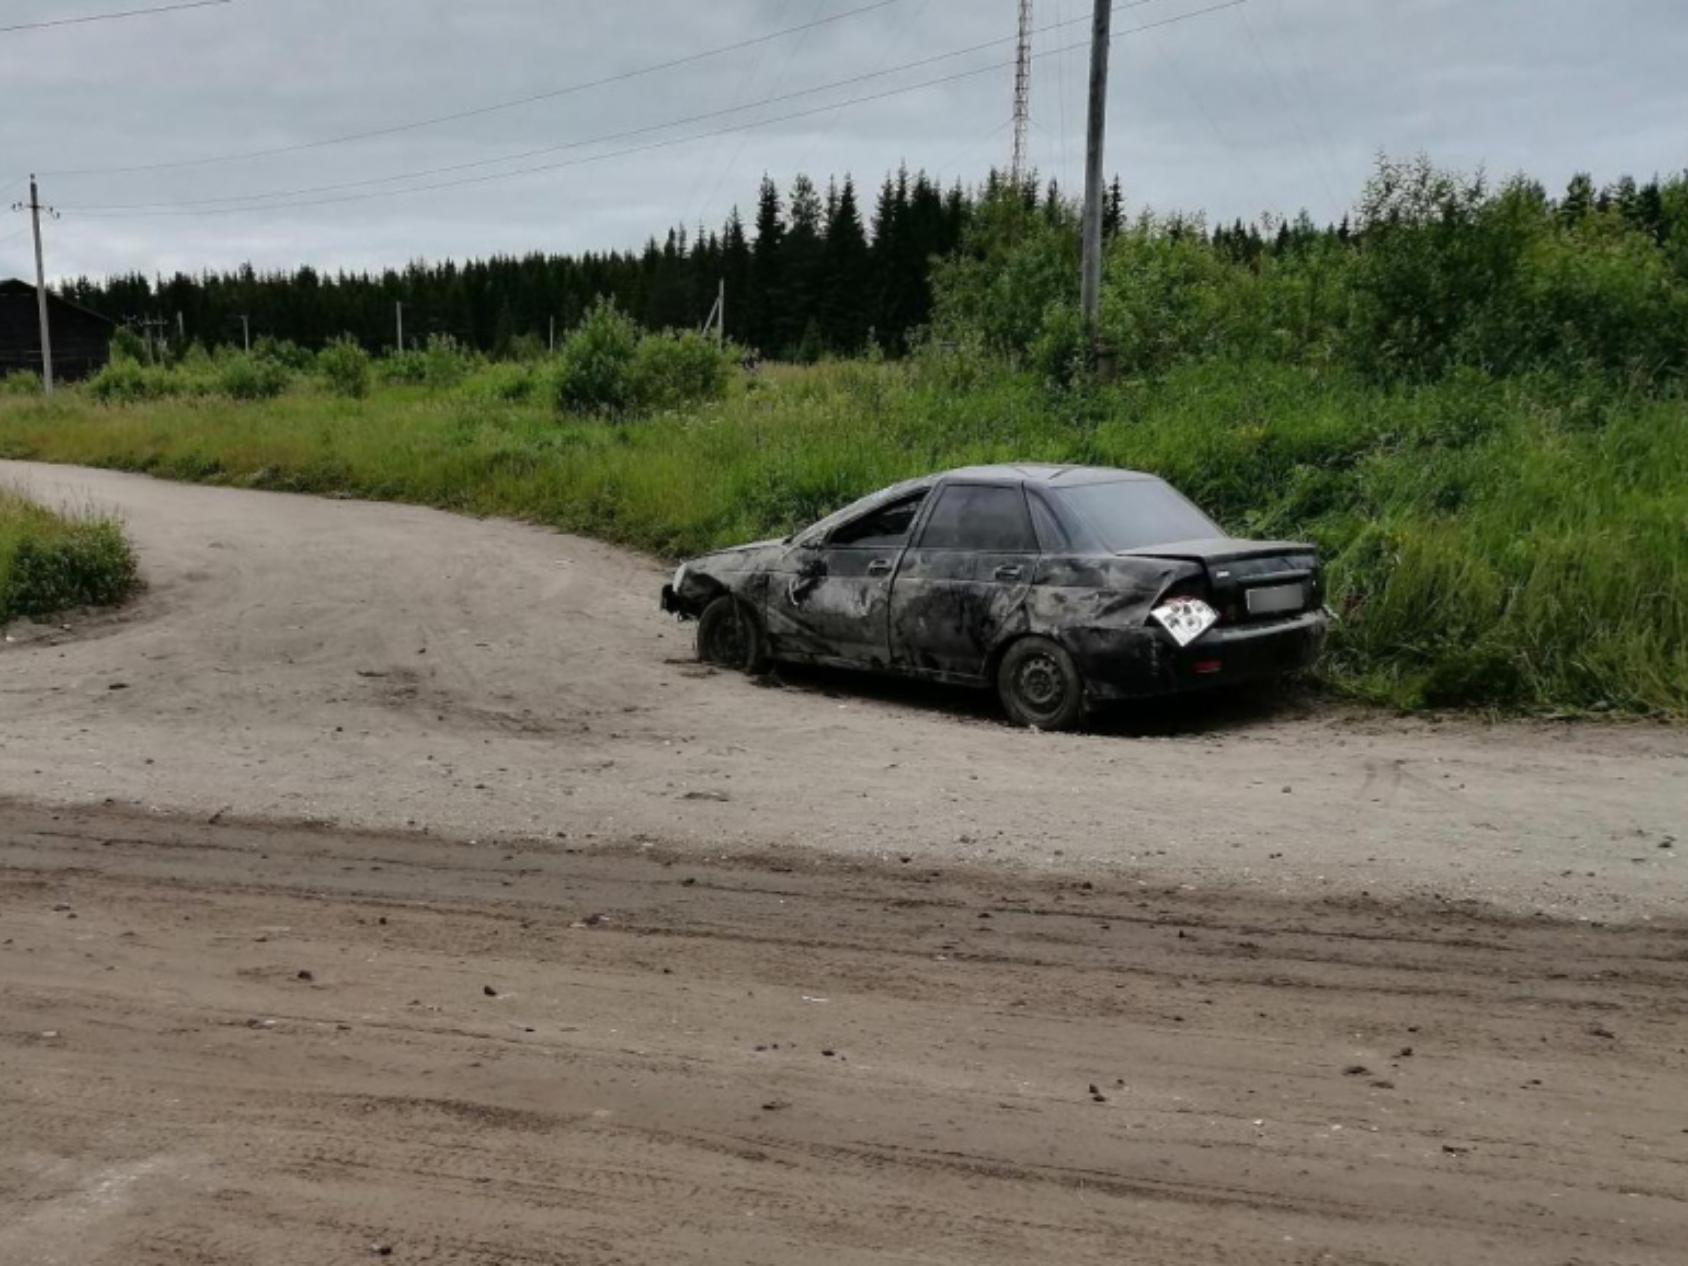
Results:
51 562
21 382
595 365
126 345
403 369
675 369
446 362
283 352
125 381
344 366
514 383
195 360
252 377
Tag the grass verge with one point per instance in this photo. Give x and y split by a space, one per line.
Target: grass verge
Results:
51 562
1508 543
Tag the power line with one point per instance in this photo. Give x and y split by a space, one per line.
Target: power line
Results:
479 111
111 17
1318 167
744 102
602 139
186 209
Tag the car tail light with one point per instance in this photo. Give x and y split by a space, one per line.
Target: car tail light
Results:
1185 618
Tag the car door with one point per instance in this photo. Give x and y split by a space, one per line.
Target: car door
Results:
963 585
831 604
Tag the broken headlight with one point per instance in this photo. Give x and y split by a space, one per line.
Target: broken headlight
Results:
1185 618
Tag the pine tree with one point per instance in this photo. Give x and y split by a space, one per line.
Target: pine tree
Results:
769 324
1578 201
1113 209
844 308
805 257
735 271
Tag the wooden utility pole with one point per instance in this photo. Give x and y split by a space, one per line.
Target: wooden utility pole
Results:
1090 288
553 335
246 332
398 312
35 210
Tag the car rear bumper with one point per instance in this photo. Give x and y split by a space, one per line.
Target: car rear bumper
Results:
1149 662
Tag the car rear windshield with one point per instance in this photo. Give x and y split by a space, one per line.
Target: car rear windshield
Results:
1138 513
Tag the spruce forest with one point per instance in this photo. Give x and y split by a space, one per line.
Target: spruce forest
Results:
814 272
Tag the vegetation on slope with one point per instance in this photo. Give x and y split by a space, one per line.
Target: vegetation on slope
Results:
51 562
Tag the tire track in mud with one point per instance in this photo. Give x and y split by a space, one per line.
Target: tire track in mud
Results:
778 1060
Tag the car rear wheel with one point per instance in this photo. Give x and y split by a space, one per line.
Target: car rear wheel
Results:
1040 685
728 636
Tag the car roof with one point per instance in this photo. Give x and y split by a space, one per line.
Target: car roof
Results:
1053 476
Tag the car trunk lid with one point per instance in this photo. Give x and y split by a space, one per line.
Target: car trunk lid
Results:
1251 581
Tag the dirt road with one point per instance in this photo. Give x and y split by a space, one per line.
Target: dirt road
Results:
229 1044
639 963
391 667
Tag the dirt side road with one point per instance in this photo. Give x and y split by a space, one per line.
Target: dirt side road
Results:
243 1044
385 666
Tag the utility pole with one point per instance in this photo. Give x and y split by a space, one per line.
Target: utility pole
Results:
553 334
717 318
398 311
35 209
1022 94
1090 287
246 332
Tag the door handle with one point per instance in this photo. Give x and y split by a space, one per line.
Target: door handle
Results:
879 567
1010 572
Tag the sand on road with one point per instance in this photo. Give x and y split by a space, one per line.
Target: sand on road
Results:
276 1045
385 666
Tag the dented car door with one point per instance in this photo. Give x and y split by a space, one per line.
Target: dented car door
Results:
963 587
831 601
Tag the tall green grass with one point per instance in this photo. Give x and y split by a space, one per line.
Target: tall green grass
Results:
1516 543
51 562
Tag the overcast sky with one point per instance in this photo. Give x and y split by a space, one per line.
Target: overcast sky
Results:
1270 105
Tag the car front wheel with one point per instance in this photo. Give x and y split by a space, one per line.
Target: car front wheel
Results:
728 636
1040 685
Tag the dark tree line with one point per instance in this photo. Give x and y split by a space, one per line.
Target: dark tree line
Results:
815 271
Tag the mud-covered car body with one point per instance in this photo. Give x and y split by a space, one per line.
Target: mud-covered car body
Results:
937 577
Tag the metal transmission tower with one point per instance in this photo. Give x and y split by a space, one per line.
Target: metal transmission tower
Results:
1022 92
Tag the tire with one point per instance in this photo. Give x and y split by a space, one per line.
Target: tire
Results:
1040 686
729 636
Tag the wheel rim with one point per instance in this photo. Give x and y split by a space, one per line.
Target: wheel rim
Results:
1041 684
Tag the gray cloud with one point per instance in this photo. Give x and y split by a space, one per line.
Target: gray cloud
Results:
1276 105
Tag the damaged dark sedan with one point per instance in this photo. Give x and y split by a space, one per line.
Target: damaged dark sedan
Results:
1063 587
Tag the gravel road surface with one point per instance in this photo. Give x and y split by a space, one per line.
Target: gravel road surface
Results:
388 884
384 666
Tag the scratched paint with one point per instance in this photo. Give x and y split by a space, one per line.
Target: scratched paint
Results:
950 615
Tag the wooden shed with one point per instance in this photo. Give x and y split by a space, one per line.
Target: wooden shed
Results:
81 339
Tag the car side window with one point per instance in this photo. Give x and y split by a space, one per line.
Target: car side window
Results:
886 528
986 519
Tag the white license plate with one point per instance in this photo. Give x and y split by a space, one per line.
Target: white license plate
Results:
1277 599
